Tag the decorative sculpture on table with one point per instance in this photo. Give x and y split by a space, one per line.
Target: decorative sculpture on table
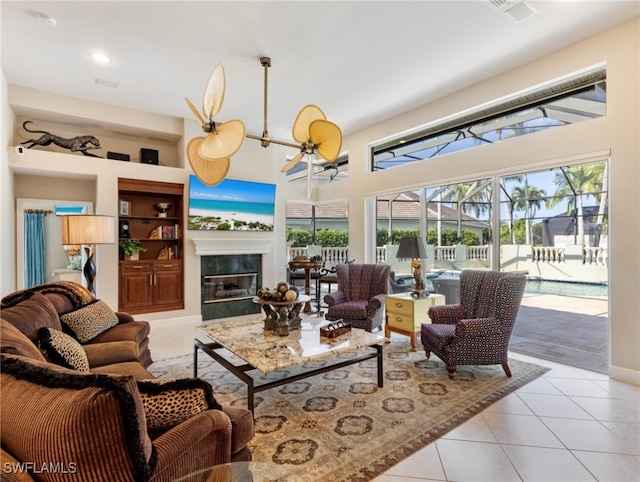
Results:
75 144
281 307
416 264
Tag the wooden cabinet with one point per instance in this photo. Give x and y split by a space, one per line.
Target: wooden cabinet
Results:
405 314
154 282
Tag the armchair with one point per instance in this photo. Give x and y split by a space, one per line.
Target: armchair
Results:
359 299
477 330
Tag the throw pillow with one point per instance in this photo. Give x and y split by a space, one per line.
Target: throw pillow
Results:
61 349
89 321
167 403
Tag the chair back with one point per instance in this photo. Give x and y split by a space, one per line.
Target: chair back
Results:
508 299
362 281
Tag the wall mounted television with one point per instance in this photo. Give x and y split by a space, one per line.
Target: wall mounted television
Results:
231 205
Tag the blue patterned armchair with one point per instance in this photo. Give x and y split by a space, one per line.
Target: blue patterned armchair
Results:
359 299
477 330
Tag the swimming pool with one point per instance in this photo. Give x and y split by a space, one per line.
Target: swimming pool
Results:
565 288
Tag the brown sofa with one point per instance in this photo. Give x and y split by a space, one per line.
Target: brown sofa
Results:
91 423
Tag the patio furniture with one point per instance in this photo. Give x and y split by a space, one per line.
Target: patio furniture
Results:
398 285
477 330
359 299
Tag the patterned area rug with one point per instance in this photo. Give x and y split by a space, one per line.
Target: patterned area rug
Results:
340 426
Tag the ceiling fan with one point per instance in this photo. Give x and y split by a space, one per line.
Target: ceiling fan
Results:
210 155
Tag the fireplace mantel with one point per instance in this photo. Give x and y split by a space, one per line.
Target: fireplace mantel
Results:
213 247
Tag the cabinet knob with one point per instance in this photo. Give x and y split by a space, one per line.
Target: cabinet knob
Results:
398 305
167 265
398 319
137 266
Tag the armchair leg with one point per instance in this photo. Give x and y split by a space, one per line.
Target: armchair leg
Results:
452 370
505 367
427 352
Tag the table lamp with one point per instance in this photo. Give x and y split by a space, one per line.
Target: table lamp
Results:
88 230
413 249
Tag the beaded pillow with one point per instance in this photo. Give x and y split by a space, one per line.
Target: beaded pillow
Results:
89 321
167 403
63 350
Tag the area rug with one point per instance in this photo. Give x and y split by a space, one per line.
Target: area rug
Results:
340 426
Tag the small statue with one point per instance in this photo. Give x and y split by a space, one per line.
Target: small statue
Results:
75 144
417 276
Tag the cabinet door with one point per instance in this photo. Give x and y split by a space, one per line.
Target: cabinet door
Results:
168 285
136 289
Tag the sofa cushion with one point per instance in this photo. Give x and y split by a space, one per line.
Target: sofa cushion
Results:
30 315
89 321
167 403
61 349
15 342
93 423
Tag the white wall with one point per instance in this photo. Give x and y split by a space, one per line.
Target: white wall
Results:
616 133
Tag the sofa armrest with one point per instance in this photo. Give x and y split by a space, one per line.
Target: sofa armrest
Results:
124 317
478 327
335 298
13 470
108 353
199 442
446 313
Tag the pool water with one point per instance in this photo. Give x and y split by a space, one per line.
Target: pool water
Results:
564 288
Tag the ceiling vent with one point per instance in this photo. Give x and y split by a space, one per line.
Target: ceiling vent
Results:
516 9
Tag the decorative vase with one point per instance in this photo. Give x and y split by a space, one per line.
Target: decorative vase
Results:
133 257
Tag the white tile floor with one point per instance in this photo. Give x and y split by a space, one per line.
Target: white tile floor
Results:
569 425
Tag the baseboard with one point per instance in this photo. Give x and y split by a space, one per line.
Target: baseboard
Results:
624 375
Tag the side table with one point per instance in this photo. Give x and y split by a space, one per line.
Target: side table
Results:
405 314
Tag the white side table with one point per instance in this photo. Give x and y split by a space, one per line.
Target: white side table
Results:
405 314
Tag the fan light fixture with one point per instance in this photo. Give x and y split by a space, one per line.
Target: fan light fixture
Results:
210 156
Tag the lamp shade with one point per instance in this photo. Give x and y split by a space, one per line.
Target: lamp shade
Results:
88 229
411 248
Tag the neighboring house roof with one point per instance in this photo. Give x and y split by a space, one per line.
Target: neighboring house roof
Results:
405 206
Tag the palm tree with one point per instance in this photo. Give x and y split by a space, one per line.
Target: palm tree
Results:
575 182
528 199
472 198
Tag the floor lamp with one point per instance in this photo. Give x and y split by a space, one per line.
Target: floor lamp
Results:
88 230
413 249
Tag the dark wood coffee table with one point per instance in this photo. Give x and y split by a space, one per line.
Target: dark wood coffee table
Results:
242 346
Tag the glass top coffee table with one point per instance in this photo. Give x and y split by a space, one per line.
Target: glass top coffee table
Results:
242 346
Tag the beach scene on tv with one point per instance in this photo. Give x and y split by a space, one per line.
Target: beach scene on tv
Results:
231 205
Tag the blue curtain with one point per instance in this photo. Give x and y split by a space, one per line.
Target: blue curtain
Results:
34 244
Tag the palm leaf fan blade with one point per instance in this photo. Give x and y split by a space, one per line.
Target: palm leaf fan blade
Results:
209 171
194 110
225 141
214 92
305 117
327 137
292 162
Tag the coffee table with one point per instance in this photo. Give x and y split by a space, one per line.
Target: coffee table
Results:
242 346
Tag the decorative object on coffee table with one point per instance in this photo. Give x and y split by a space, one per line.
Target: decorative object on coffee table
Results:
282 306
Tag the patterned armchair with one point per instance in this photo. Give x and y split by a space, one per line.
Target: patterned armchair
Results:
477 330
359 299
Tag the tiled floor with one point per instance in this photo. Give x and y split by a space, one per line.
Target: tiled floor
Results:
569 425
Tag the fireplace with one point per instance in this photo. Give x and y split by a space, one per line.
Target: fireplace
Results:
228 285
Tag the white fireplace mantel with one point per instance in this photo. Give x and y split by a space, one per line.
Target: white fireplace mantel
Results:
213 247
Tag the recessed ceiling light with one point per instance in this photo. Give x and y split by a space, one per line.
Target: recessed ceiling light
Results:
100 58
46 20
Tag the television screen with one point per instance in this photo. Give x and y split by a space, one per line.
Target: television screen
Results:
231 205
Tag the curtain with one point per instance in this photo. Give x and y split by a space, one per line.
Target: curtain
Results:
34 248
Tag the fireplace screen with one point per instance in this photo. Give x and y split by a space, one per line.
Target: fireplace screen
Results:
229 287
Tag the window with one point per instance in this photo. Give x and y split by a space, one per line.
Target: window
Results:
563 103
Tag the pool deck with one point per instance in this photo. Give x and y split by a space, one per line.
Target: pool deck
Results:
569 329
